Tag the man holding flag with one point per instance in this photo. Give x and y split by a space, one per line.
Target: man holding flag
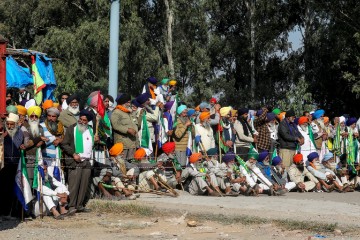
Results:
78 146
306 131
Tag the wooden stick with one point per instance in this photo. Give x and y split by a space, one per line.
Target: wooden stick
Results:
165 185
41 198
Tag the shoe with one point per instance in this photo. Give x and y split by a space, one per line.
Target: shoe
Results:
83 209
69 213
318 191
131 197
59 217
137 195
214 194
280 192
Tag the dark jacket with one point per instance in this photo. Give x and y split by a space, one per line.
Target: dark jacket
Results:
288 135
68 145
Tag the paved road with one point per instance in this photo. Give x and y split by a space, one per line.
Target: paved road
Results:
340 208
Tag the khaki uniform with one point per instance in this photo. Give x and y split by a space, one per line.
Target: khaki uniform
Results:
297 177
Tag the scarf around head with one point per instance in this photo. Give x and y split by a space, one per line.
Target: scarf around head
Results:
79 141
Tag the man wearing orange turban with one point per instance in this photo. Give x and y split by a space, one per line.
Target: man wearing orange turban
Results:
200 183
303 127
298 172
205 132
22 113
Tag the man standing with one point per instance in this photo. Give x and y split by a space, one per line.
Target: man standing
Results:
227 127
289 138
308 146
124 128
54 133
205 131
244 134
78 145
260 124
181 133
70 116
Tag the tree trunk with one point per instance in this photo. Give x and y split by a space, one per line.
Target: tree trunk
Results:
250 4
168 41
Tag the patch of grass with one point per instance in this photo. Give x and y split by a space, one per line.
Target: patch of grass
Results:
286 224
103 206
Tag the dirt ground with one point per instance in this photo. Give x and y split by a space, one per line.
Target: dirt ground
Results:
333 208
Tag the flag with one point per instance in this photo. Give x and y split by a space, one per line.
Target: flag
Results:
38 172
22 186
100 105
242 163
173 111
220 137
39 83
350 151
337 141
145 137
274 154
162 137
311 135
58 173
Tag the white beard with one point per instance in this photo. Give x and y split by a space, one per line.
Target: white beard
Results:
34 127
250 165
82 127
75 110
206 125
321 123
304 128
11 132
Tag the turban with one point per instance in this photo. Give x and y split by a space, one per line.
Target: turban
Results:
34 109
312 156
197 108
326 119
270 116
72 98
296 121
213 100
229 156
122 98
242 111
30 103
190 112
263 155
276 160
195 157
56 104
180 109
12 118
92 100
297 158
104 171
23 102
141 99
350 121
253 154
259 112
53 111
204 115
212 151
168 147
139 154
303 120
282 115
135 103
224 111
318 114
87 114
116 149
12 109
21 109
204 105
47 104
233 112
276 111
328 156
152 80
341 119
164 81
168 105
172 82
290 113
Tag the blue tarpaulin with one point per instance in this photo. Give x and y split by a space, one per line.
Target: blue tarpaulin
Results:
46 72
17 76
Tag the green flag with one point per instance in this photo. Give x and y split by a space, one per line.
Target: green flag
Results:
145 140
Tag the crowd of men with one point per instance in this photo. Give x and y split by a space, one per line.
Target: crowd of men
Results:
114 149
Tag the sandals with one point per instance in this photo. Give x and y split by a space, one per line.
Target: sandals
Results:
59 217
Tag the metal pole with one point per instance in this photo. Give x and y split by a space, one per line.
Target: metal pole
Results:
3 42
114 47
